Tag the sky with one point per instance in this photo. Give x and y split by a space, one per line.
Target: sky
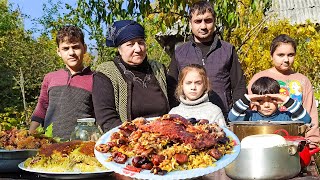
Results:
33 8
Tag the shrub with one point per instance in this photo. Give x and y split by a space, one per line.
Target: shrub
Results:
253 38
14 117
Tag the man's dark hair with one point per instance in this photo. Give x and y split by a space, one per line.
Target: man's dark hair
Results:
69 33
202 7
282 38
265 85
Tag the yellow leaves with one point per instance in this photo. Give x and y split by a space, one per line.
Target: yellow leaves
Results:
150 17
87 59
306 30
312 29
301 30
253 38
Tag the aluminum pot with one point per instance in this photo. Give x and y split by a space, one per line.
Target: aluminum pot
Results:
265 163
246 128
305 152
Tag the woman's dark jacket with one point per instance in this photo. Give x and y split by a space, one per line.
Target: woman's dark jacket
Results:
122 92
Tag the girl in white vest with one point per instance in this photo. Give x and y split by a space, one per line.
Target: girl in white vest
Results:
192 92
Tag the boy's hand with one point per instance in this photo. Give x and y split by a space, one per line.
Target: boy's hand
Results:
279 98
255 98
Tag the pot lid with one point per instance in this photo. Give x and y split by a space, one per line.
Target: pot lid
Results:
262 141
264 122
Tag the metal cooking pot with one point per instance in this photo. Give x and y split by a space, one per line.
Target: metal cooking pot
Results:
265 163
246 128
305 152
9 159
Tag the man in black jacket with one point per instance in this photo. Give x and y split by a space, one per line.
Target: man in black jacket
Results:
218 57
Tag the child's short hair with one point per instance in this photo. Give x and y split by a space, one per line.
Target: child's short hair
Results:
202 7
265 85
200 69
282 38
69 33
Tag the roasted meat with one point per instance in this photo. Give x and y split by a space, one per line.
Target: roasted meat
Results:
179 129
166 142
21 139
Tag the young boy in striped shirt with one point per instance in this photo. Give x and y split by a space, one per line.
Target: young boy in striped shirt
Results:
266 98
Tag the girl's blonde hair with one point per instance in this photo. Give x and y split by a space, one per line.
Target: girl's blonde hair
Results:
200 69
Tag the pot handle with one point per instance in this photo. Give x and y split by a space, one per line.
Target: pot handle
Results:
281 130
292 150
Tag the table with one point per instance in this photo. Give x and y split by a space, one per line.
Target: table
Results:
311 172
23 175
112 176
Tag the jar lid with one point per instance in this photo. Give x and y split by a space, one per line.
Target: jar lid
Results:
86 120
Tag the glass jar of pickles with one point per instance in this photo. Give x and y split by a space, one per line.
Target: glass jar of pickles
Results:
86 130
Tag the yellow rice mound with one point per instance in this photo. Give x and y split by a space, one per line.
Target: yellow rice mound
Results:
58 161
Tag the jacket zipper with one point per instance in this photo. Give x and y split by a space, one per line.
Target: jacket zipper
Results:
203 63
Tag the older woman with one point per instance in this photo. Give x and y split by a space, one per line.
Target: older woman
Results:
130 86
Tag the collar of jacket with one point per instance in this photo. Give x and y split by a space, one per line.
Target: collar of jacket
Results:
214 45
85 70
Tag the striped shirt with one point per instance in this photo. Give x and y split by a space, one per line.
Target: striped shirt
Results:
295 112
63 99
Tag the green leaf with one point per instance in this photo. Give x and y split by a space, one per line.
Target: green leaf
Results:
48 131
40 130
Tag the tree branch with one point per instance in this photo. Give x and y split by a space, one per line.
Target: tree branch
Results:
248 35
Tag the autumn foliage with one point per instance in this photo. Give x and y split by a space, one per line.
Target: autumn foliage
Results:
253 38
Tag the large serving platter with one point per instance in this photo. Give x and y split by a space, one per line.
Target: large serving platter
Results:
145 174
65 175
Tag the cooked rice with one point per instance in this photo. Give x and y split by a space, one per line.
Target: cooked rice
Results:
75 161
